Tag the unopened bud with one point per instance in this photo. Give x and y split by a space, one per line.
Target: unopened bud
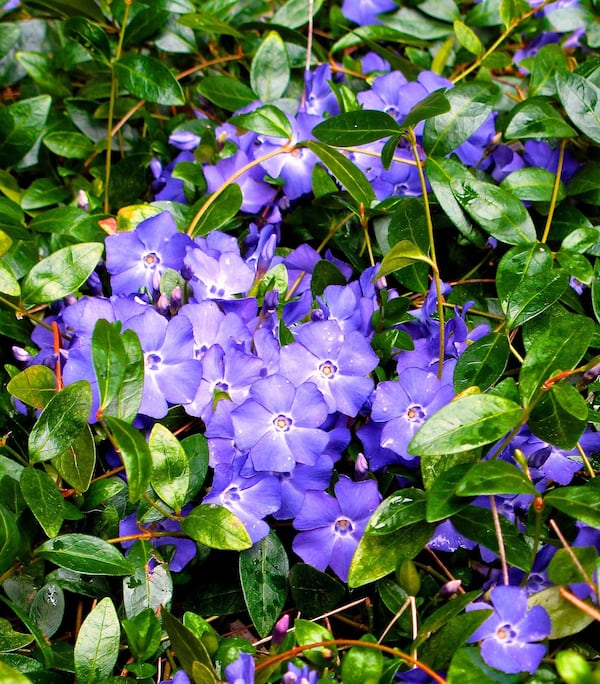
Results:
408 578
280 629
83 201
450 588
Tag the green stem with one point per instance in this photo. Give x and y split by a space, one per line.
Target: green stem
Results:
561 157
20 311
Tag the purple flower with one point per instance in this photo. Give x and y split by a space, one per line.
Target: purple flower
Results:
363 12
300 675
180 677
319 98
279 425
136 260
508 636
218 274
241 670
330 528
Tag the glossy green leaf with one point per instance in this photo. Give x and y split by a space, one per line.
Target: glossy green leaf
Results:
556 349
377 555
76 465
402 254
8 283
135 454
34 386
401 509
270 68
511 11
434 465
71 145
41 69
44 192
536 118
142 590
109 359
21 124
519 265
360 665
442 501
267 120
220 211
580 97
11 640
127 402
44 499
188 647
68 8
325 273
496 210
467 667
581 503
464 424
470 105
560 417
482 363
566 618
494 477
48 608
576 265
563 570
209 23
546 63
535 295
61 273
61 422
314 592
9 538
84 553
477 524
434 104
441 615
91 36
533 185
147 78
356 128
97 645
295 13
226 92
306 633
48 655
216 527
170 467
350 176
143 634
263 573
468 38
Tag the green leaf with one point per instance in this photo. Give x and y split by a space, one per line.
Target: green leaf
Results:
576 265
150 80
399 510
434 104
482 363
226 92
533 185
306 633
263 573
142 590
441 615
496 210
188 647
71 145
560 417
549 60
48 608
494 477
76 465
314 592
8 283
295 13
470 105
61 422
267 120
44 499
91 36
170 467
350 176
109 359
220 211
9 539
61 273
556 349
518 266
464 424
356 128
511 11
34 386
216 527
209 23
44 192
477 524
402 254
360 665
11 640
67 8
532 297
566 618
41 69
433 466
468 38
442 501
325 273
270 68
581 503
127 402
467 667
580 97
378 554
562 569
20 126
9 35
143 634
97 645
84 553
135 454
46 651
536 118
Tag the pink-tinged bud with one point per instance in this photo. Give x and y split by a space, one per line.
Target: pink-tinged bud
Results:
361 467
162 304
83 201
21 355
280 629
450 588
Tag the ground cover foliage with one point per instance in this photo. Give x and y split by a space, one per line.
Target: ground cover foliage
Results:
299 305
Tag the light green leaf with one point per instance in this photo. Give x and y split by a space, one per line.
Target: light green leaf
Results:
267 120
8 283
494 477
226 92
270 68
170 467
34 386
216 527
468 38
109 359
97 645
76 465
580 98
84 553
147 78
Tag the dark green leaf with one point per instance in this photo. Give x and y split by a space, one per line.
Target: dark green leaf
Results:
97 645
170 467
560 417
440 617
20 126
76 465
270 68
9 539
563 570
442 501
356 128
61 273
434 104
325 273
533 185
216 527
556 349
468 38
41 69
44 499
549 60
467 667
143 634
44 192
91 36
360 665
48 655
295 13
61 422
434 465
263 573
34 386
48 608
482 363
581 503
68 8
188 647
209 23
401 509
350 176
135 454
192 173
11 640
267 120
86 554
464 424
71 145
536 118
226 92
220 211
494 477
532 297
518 266
313 591
126 404
150 80
109 359
470 105
496 210
580 98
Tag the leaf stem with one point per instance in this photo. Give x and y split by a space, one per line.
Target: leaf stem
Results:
561 157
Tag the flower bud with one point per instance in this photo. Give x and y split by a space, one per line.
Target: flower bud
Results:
408 578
